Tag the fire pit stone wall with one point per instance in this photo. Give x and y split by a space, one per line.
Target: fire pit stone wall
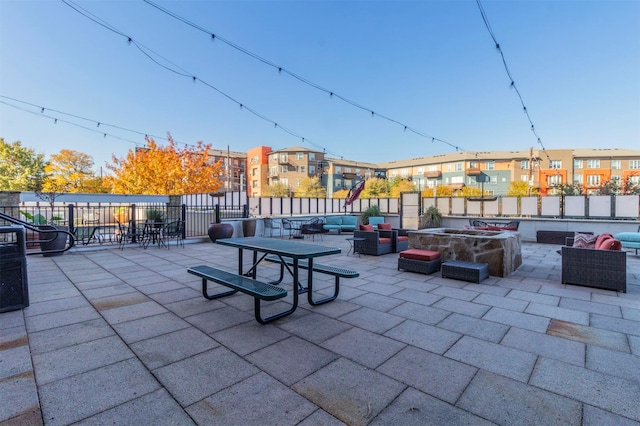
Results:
500 249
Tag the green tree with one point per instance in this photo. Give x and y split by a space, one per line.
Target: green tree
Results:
520 189
19 167
69 171
441 191
398 185
568 189
341 194
375 188
278 190
310 187
631 185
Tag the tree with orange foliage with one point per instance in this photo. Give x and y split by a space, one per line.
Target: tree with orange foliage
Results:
165 170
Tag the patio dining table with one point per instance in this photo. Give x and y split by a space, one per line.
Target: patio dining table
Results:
295 250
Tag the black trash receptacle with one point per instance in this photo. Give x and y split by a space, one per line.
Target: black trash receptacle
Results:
14 291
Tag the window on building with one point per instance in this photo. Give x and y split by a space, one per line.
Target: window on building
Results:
312 170
616 164
338 169
254 172
577 164
634 164
302 169
616 179
554 180
284 158
593 164
524 164
457 179
577 179
284 169
299 156
490 165
339 183
432 168
593 180
634 180
458 167
347 169
420 170
404 173
473 165
524 178
274 171
312 156
493 180
555 164
297 182
254 183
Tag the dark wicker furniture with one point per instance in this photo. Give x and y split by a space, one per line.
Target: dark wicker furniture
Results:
555 237
401 240
420 266
595 268
372 244
420 261
465 271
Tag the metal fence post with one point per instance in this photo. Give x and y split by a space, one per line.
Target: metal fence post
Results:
134 232
183 214
72 222
217 213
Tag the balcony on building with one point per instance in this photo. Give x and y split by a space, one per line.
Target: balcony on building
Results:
473 171
433 174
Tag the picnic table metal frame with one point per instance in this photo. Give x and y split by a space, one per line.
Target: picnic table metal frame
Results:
294 250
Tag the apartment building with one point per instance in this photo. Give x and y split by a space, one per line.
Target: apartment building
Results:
257 170
289 166
543 170
491 171
234 168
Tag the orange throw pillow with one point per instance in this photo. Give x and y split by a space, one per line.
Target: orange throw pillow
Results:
610 244
384 226
366 228
601 238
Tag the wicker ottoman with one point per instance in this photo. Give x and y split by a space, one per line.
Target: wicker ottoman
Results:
420 261
465 271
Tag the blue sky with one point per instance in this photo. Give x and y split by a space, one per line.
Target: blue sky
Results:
431 65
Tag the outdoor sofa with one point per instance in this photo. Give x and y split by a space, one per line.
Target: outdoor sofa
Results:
340 223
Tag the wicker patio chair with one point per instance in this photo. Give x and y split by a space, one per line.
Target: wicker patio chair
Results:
595 268
376 243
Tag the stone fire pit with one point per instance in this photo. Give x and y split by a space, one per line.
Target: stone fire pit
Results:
500 249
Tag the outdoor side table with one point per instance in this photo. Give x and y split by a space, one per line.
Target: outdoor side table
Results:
465 271
354 245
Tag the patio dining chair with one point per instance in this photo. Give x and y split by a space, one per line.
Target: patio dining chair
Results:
290 226
172 230
271 224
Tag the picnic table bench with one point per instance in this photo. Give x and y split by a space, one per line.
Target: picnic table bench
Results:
337 272
257 289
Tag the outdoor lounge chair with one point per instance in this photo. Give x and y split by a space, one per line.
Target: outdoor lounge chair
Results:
375 243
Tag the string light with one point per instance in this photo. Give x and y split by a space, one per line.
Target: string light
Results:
298 77
149 53
513 84
98 123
